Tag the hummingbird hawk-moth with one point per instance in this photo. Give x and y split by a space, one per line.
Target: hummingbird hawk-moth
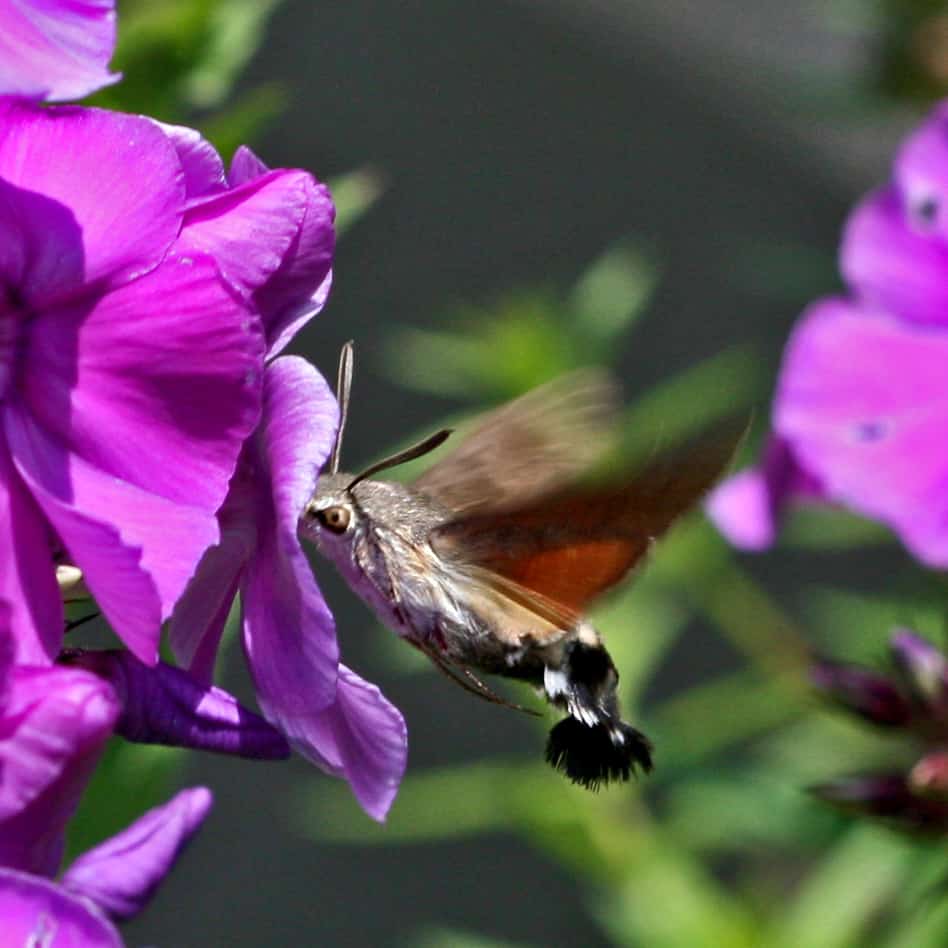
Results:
490 559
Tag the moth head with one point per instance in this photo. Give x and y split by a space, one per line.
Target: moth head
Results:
331 517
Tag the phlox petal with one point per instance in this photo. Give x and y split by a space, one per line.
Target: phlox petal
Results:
747 507
300 287
165 705
38 912
248 229
863 402
126 228
56 49
121 875
200 615
921 174
894 265
362 737
34 611
200 162
289 633
157 383
301 421
128 568
55 722
289 638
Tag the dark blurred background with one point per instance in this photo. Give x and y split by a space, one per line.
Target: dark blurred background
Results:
514 144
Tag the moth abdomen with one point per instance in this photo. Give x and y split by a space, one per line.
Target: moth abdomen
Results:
597 755
593 745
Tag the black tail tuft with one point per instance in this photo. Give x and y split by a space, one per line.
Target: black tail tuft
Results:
597 755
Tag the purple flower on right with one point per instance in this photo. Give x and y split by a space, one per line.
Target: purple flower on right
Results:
861 409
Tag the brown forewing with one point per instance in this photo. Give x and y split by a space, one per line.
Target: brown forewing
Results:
576 543
527 448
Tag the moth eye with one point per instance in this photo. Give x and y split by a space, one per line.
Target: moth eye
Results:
334 519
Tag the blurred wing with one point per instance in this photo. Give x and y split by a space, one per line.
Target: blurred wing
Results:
528 447
570 547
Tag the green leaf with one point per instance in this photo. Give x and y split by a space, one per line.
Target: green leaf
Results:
354 195
821 527
668 900
235 30
438 937
685 404
839 900
614 292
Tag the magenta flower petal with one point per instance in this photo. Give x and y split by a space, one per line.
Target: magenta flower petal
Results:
893 265
249 229
39 913
179 386
33 606
53 726
362 738
289 633
81 158
164 705
121 875
113 565
56 49
298 290
200 615
7 650
301 417
746 508
141 382
245 166
202 166
41 252
921 174
290 641
864 403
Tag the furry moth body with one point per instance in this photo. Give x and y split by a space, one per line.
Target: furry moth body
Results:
488 561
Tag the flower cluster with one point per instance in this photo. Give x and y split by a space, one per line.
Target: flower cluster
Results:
861 405
859 419
913 701
153 438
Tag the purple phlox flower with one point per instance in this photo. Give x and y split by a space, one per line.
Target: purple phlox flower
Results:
54 722
331 716
913 700
121 875
131 347
862 400
56 49
165 705
114 880
296 219
747 507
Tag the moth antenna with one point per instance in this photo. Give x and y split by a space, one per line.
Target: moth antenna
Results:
409 454
343 389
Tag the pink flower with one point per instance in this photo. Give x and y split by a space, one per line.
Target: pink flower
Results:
56 49
861 408
54 723
131 348
331 716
